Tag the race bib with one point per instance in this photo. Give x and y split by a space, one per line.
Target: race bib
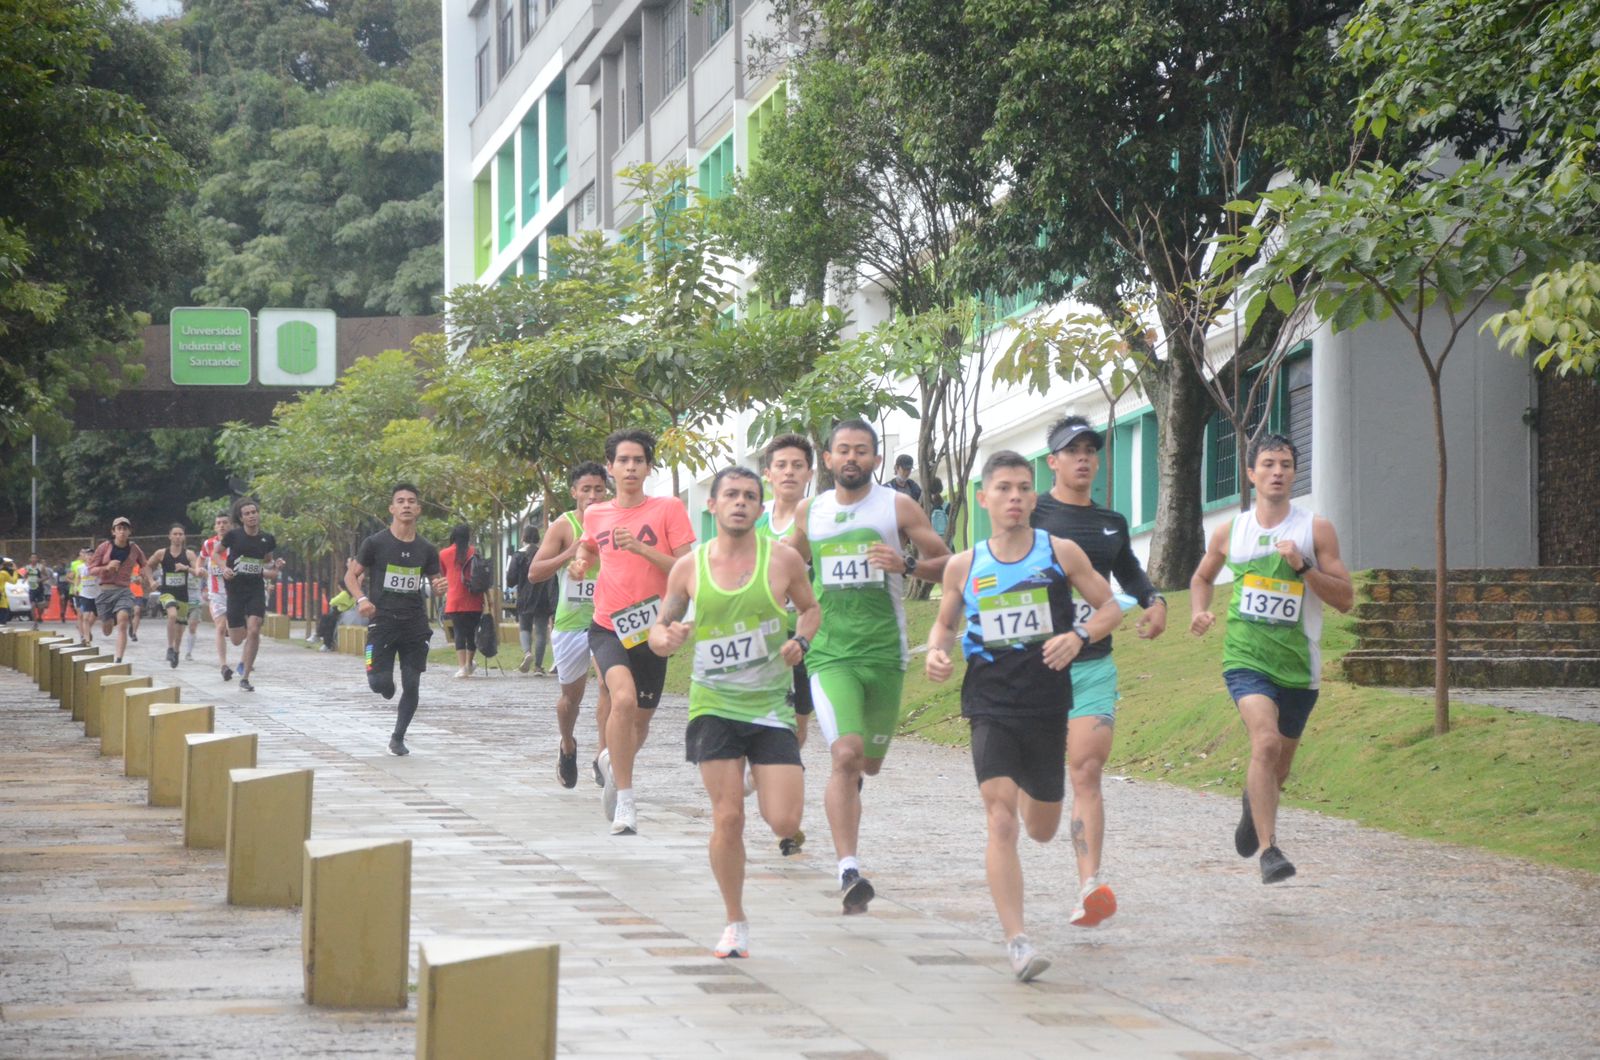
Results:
1270 601
843 565
247 565
174 578
739 650
402 579
1082 611
89 586
33 581
580 591
632 624
1018 617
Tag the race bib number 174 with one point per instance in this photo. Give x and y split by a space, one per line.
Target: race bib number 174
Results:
1019 617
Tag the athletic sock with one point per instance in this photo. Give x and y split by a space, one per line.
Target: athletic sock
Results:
846 864
625 798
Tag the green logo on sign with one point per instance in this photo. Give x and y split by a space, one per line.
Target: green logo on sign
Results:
297 347
210 347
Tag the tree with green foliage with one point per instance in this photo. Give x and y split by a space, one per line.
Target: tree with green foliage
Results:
97 140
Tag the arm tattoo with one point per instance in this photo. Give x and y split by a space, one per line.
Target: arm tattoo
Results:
676 606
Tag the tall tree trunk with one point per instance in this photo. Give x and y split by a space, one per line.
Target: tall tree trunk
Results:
1182 406
1441 633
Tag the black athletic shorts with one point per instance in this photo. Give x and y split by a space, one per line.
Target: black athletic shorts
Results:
800 694
710 737
86 605
649 669
408 640
1031 750
245 602
464 628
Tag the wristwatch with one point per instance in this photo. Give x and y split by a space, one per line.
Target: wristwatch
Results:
805 645
1083 631
1308 566
911 564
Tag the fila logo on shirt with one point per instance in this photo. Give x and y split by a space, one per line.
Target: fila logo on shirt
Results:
645 536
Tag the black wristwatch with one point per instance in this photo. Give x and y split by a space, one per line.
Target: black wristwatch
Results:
1083 631
1302 570
805 645
911 564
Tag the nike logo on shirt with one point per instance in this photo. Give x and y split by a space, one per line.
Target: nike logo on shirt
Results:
1108 530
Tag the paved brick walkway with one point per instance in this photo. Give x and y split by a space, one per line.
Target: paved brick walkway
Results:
114 940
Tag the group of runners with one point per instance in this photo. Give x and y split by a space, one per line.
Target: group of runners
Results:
796 607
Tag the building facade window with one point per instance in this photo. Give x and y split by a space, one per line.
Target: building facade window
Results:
760 119
505 28
675 45
1288 413
719 18
481 75
716 170
530 18
555 138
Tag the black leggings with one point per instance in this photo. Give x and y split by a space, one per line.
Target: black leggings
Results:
410 687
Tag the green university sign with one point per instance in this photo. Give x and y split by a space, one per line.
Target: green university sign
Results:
211 347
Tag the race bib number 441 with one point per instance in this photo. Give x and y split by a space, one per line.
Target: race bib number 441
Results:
1270 601
844 566
1018 617
632 624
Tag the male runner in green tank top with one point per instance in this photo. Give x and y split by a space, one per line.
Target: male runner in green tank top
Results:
574 613
852 535
1286 564
739 707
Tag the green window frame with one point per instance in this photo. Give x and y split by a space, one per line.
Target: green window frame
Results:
482 224
529 144
716 170
760 119
506 181
555 137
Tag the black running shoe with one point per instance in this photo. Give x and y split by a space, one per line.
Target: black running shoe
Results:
133 636
245 685
791 846
567 768
172 658
599 777
227 673
856 891
1275 868
397 747
1244 836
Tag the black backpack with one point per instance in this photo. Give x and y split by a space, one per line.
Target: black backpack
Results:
475 575
488 638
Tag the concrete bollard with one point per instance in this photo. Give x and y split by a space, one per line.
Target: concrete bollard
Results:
269 821
86 690
355 925
113 708
94 699
352 640
169 724
136 726
9 639
66 679
55 676
39 662
487 999
207 760
276 626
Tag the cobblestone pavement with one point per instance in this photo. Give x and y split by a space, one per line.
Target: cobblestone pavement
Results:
114 940
1574 704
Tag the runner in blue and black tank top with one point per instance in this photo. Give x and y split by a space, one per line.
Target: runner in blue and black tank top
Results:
1009 600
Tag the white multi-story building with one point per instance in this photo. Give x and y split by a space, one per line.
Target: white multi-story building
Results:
545 101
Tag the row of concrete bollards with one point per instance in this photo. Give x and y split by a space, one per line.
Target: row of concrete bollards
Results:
482 998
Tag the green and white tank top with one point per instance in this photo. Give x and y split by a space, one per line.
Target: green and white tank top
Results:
1274 620
575 609
863 613
739 672
765 528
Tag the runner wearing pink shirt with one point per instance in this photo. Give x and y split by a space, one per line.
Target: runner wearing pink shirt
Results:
636 538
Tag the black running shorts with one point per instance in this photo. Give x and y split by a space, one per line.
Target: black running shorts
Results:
1030 750
711 737
245 601
407 640
649 669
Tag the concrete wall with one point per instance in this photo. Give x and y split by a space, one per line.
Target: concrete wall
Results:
1569 470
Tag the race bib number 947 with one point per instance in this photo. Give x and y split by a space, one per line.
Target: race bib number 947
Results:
1270 601
731 651
1018 617
844 566
632 624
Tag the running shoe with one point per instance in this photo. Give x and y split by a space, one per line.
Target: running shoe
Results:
1244 835
1026 963
527 662
1095 903
188 656
599 778
791 846
608 796
245 685
567 767
172 658
625 821
735 941
133 636
462 672
749 781
1275 868
227 673
539 671
397 747
856 892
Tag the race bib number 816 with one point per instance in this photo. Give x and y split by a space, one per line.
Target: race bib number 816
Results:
402 579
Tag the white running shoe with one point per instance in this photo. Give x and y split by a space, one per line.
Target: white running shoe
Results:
1026 962
1096 903
749 781
625 821
608 784
735 941
461 672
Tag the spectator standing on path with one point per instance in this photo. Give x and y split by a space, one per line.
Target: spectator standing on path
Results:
902 482
1009 600
574 615
1069 511
636 539
114 563
853 536
535 602
463 608
249 563
215 587
1285 563
397 564
739 705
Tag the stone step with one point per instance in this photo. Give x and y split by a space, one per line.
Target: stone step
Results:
1479 646
1477 611
1538 592
1480 671
1465 575
1369 631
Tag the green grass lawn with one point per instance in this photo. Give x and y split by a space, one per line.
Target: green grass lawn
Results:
1520 784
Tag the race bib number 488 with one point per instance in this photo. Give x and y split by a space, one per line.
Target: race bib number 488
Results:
1270 601
843 565
632 624
246 565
